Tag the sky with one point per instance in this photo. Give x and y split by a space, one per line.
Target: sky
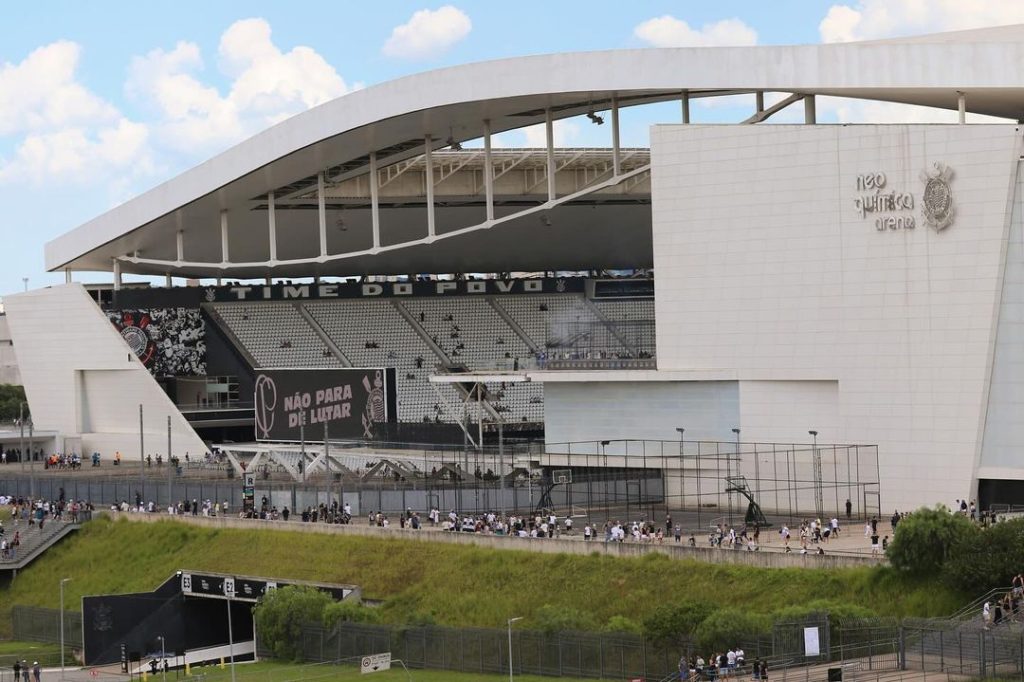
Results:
101 102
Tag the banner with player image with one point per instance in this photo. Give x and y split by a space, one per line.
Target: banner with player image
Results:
350 401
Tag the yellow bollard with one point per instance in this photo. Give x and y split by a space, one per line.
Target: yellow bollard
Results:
221 664
188 670
145 674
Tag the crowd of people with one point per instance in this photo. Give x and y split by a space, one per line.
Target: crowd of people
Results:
23 673
731 663
26 514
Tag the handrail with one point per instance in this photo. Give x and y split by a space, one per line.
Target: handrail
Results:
973 608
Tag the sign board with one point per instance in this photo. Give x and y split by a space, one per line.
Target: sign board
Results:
186 583
375 663
229 588
248 492
811 645
296 404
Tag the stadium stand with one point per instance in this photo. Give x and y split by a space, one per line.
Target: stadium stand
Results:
375 334
276 335
420 336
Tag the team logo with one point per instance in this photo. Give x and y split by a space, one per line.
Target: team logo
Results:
135 334
211 294
937 202
102 618
266 401
560 286
374 410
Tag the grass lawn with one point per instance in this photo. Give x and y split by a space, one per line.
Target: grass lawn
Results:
279 672
48 655
448 584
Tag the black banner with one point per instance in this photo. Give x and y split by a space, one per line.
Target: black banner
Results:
350 401
191 297
622 288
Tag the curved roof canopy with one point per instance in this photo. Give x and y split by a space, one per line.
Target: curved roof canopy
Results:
215 220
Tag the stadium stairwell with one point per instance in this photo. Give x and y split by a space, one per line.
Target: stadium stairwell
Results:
315 326
513 325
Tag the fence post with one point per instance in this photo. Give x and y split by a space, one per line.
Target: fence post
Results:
981 655
903 649
942 651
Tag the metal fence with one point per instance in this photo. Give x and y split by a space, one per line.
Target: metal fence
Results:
36 624
623 479
867 648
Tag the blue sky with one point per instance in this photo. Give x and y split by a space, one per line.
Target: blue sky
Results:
99 102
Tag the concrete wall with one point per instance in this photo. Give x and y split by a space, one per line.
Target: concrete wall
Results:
554 546
9 373
767 270
641 410
83 381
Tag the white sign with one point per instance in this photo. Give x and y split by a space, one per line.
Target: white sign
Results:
186 582
811 646
229 588
375 662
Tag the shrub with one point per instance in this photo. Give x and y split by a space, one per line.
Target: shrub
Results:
669 623
281 613
925 539
728 627
835 610
986 559
551 619
349 612
622 624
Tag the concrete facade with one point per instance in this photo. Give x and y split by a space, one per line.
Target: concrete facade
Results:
845 320
84 382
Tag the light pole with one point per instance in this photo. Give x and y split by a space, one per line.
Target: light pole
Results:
63 580
24 281
231 638
816 463
728 469
163 656
31 470
510 621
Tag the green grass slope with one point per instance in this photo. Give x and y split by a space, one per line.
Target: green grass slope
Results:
448 584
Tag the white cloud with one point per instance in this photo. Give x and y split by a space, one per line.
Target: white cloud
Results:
428 33
563 131
870 19
668 31
58 129
267 86
41 92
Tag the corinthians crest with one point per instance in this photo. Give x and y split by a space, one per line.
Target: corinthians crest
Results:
937 200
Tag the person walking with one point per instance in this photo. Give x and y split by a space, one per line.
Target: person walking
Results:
36 673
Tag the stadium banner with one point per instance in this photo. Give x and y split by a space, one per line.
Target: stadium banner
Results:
193 296
291 404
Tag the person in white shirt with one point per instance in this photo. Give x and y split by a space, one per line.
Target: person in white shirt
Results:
588 532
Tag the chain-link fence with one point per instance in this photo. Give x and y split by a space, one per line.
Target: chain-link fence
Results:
36 624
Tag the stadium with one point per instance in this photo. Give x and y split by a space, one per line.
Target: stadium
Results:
804 314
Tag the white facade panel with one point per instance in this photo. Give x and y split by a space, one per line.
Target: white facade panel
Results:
82 380
766 266
574 412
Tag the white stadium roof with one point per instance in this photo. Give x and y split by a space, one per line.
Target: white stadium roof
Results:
181 226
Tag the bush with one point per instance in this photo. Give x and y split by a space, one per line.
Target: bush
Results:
925 539
551 619
728 627
622 624
835 610
349 612
669 623
986 559
281 613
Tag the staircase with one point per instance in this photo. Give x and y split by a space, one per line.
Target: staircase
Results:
34 542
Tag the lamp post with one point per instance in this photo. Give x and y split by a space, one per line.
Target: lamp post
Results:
682 471
31 469
231 638
163 657
728 469
510 621
816 464
63 580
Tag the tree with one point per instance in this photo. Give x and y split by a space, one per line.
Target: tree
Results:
728 627
926 538
670 623
281 613
986 559
349 612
